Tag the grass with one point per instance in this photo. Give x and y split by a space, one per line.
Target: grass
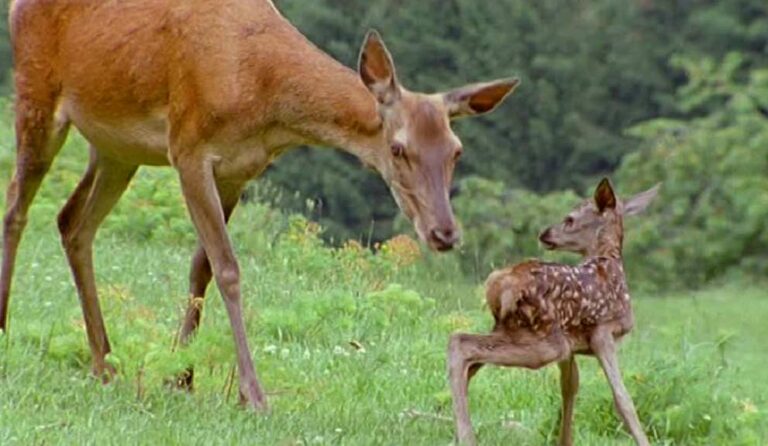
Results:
350 346
695 363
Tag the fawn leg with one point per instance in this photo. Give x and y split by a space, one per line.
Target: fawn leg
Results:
205 207
100 188
38 139
569 386
604 347
200 275
467 352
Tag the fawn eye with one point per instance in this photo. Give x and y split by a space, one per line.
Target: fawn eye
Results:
568 222
398 150
457 155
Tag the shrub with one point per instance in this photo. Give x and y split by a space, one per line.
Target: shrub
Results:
711 216
501 226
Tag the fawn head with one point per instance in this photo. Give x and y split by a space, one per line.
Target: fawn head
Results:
596 227
419 149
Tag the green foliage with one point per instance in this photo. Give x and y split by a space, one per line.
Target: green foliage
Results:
501 226
152 208
348 358
590 70
711 216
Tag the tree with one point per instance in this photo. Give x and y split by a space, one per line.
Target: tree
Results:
712 213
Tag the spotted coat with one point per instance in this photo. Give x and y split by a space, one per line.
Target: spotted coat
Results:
539 296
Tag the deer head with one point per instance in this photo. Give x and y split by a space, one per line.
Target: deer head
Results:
596 227
420 150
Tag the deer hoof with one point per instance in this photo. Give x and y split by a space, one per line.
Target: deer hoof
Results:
253 397
104 372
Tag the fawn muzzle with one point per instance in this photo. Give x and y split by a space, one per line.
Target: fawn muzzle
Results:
546 239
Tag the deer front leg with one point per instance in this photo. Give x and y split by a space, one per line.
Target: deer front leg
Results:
604 347
466 353
205 207
200 276
569 386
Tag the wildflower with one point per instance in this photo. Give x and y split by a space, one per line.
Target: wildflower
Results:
338 350
403 250
748 406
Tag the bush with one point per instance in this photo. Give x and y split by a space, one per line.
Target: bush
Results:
711 216
501 226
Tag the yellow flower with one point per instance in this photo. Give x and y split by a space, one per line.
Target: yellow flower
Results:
403 250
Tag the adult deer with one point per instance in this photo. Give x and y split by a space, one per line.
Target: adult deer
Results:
548 312
217 89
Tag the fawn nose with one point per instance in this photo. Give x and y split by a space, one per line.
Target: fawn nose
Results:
443 239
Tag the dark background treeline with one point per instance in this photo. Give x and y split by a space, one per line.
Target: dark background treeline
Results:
590 70
642 90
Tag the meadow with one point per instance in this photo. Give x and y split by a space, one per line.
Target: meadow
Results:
349 344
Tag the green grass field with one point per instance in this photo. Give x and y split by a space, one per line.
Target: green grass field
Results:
696 364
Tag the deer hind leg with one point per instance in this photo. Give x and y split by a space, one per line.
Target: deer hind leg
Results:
604 347
200 275
466 353
39 136
100 188
569 386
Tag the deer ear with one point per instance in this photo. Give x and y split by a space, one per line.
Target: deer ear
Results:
377 69
605 198
641 201
478 99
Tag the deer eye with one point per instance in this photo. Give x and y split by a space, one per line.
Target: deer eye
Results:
457 155
568 222
398 150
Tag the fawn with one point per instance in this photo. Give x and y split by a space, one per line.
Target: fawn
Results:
548 312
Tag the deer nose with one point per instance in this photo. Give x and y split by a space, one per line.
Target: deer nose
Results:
444 238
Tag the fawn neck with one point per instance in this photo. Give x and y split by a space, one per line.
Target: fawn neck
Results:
610 241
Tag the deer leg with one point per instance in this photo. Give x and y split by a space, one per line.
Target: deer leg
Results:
604 347
100 188
569 386
205 207
467 352
38 139
200 275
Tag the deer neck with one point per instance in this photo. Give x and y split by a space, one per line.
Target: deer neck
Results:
335 110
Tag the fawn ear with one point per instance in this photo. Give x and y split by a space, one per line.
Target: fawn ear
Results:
478 99
640 202
377 69
605 198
